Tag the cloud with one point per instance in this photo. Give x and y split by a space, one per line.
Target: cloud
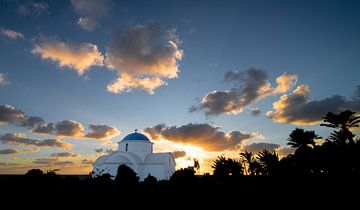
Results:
20 139
44 128
64 154
79 57
52 162
90 11
11 34
4 80
255 111
92 8
284 151
10 114
65 128
12 151
69 128
8 151
87 23
202 135
251 86
32 8
297 108
102 132
87 161
143 56
102 150
127 83
30 150
258 147
179 154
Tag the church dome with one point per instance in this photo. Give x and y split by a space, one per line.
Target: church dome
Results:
135 136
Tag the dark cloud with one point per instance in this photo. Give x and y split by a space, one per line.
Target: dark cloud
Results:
44 128
8 151
64 154
101 150
63 163
65 128
251 85
92 8
297 108
203 135
87 161
143 56
32 122
179 154
32 8
258 147
52 162
10 114
45 160
90 12
69 128
255 112
19 139
102 132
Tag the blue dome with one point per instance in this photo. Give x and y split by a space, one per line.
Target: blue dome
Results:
135 136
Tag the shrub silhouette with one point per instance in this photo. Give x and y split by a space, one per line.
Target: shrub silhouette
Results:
150 180
183 176
34 173
227 167
126 176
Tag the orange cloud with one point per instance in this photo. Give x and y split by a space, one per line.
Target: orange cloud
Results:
206 136
127 83
79 57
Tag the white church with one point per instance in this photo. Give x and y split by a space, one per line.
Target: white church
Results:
136 151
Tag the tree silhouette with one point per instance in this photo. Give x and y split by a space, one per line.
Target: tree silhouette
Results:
150 180
250 165
34 173
227 166
126 176
183 176
269 162
299 138
343 122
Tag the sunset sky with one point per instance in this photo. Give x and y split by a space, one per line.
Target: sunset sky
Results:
201 78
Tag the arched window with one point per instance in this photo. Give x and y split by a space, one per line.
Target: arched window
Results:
126 147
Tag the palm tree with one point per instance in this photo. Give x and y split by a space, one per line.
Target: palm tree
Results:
344 122
248 160
299 138
269 162
226 166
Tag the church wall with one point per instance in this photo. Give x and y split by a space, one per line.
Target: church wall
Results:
140 148
156 170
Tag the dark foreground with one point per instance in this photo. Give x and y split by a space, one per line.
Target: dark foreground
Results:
239 191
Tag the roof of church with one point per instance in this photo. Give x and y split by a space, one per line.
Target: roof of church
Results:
135 136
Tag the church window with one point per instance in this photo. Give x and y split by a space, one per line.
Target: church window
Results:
126 147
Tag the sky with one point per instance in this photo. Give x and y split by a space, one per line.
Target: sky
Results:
200 78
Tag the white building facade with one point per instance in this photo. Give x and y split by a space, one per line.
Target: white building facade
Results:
136 151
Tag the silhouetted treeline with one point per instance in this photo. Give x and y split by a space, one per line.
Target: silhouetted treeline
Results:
317 167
